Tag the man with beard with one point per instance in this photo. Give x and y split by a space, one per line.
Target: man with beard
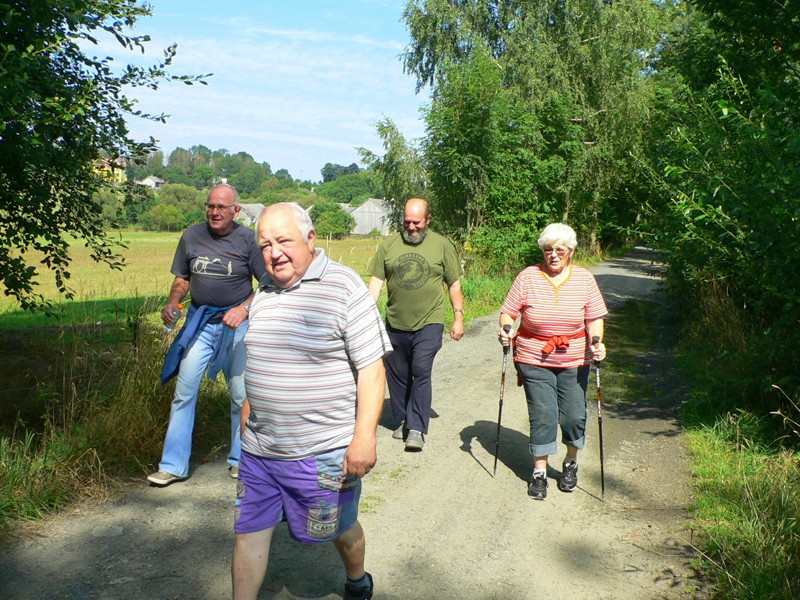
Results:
414 264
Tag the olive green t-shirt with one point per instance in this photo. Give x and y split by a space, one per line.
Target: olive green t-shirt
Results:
414 274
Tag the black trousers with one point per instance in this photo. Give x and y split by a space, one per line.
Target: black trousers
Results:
408 373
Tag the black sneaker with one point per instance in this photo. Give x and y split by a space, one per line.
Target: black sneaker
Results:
569 477
538 487
352 592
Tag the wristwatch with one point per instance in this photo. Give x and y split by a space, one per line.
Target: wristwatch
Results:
247 307
460 310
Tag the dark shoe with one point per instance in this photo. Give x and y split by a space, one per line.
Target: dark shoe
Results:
414 441
162 478
569 477
401 432
359 593
538 487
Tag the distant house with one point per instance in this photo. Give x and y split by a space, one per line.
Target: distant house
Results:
372 215
249 214
113 171
151 181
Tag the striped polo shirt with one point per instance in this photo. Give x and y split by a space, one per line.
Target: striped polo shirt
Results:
547 310
305 345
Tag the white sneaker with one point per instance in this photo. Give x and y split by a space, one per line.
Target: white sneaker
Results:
162 478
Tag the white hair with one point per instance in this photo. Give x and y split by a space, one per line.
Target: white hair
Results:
301 218
558 232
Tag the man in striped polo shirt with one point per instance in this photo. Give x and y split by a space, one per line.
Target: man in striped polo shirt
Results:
315 384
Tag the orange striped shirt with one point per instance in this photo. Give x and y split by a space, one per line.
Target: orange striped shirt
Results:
547 310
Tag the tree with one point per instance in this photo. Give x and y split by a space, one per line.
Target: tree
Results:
492 178
180 158
353 188
112 201
330 172
400 171
165 217
577 67
203 176
201 156
176 175
248 181
331 219
229 165
60 109
187 201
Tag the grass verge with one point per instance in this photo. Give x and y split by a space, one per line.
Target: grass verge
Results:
745 449
748 509
99 417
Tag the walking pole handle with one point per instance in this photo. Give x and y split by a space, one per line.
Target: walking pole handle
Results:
507 329
595 341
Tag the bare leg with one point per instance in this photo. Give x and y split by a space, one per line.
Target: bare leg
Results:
352 546
540 463
250 557
572 453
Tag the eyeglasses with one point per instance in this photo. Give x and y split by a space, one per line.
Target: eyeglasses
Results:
560 251
219 207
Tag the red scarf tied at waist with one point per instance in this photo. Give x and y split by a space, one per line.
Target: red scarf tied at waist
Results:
555 342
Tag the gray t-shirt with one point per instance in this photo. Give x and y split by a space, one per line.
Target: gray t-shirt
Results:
220 268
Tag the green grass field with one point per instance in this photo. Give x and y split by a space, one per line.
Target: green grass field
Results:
105 295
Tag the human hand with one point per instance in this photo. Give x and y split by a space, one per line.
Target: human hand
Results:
598 352
168 315
457 330
360 457
504 335
235 316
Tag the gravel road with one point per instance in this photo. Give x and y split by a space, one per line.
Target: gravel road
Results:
438 524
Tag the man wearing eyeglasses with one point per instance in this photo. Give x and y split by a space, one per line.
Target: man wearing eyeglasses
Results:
215 264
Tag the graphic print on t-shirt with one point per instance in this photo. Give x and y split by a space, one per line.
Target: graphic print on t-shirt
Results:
412 271
201 264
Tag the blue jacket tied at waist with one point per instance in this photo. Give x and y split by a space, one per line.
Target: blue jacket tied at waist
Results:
196 319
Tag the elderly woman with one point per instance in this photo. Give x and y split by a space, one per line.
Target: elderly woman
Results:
561 310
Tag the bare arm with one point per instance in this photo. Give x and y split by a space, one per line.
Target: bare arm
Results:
375 286
457 300
362 454
243 416
178 291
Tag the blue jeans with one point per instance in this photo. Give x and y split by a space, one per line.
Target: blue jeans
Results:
408 373
178 443
555 396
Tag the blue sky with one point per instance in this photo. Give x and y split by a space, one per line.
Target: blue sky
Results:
296 84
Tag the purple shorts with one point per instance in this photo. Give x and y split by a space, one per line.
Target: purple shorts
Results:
311 495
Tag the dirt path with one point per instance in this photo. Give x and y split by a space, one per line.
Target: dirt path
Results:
438 524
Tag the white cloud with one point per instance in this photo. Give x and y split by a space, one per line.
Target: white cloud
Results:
294 97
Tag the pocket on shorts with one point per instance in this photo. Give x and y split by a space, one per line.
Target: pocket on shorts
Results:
323 521
329 472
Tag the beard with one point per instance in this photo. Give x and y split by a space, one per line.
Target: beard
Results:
414 238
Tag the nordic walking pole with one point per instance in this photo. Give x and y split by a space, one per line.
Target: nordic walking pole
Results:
506 328
595 341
